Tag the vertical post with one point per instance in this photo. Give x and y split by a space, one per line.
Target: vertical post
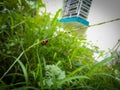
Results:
80 4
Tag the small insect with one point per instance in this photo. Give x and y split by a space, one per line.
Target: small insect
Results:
44 42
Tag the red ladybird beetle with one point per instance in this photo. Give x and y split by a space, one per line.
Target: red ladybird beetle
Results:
44 42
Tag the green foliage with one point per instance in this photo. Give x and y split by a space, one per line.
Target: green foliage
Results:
65 62
53 76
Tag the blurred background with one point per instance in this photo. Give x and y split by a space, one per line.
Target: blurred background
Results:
104 36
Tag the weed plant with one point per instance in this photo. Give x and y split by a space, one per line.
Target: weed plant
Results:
65 62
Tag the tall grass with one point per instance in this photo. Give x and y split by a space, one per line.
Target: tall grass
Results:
65 62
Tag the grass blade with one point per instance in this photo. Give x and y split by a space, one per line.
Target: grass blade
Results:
56 17
77 70
24 72
72 78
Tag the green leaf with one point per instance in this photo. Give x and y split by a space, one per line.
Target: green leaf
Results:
56 17
24 71
77 70
72 78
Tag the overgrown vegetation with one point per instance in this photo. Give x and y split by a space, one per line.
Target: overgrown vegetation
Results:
65 62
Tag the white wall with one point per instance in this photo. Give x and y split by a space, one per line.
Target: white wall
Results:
107 35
